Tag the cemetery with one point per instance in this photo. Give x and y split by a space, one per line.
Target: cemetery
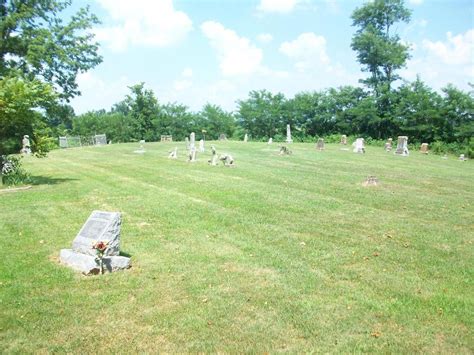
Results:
290 176
321 250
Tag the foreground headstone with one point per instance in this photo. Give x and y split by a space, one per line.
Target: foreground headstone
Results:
388 145
424 148
320 144
101 226
288 134
343 139
359 146
173 154
246 137
192 141
402 146
201 146
270 141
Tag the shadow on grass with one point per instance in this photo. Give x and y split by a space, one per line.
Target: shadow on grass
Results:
123 253
45 180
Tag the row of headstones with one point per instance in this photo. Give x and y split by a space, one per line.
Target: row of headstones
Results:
225 158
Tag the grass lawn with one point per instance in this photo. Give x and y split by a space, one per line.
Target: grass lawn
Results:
281 253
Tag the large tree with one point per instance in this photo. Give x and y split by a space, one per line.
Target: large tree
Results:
37 42
379 50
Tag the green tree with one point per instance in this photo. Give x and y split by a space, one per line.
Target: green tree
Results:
20 100
458 115
214 120
380 51
35 41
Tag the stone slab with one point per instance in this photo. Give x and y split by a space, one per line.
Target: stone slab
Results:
88 265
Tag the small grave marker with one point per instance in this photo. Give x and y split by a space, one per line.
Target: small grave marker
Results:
424 148
320 144
402 146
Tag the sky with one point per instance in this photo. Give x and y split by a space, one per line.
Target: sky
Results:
195 52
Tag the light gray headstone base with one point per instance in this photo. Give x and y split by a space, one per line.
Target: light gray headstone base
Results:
88 265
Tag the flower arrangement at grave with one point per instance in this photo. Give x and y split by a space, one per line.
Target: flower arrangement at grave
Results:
101 248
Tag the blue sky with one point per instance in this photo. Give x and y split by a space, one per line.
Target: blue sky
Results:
194 51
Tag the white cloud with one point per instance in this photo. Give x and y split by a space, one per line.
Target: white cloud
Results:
308 50
110 92
456 50
236 55
142 22
415 2
265 37
439 63
184 82
280 6
333 5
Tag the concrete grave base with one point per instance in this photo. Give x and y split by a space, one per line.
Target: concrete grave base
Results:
88 265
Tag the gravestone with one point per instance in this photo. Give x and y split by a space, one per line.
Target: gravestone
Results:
201 146
424 148
388 145
288 134
26 148
343 139
222 137
462 157
227 160
371 181
246 137
173 154
320 144
192 155
214 158
402 146
270 141
186 140
284 150
359 146
192 141
101 226
100 139
141 150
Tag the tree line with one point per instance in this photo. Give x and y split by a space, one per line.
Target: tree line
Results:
41 55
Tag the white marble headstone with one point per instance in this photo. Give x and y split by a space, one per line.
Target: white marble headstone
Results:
288 134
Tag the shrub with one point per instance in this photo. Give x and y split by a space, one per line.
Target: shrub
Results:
12 172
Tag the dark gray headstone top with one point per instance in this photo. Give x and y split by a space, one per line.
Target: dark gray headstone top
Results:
100 227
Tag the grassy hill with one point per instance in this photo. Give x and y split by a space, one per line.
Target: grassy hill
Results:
281 253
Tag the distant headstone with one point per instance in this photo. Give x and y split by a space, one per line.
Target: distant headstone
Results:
320 144
166 138
101 226
462 157
371 181
192 141
141 149
100 139
284 150
288 134
222 137
192 155
186 140
173 154
388 145
201 146
359 146
26 148
424 148
227 160
246 137
214 158
402 146
344 139
270 141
